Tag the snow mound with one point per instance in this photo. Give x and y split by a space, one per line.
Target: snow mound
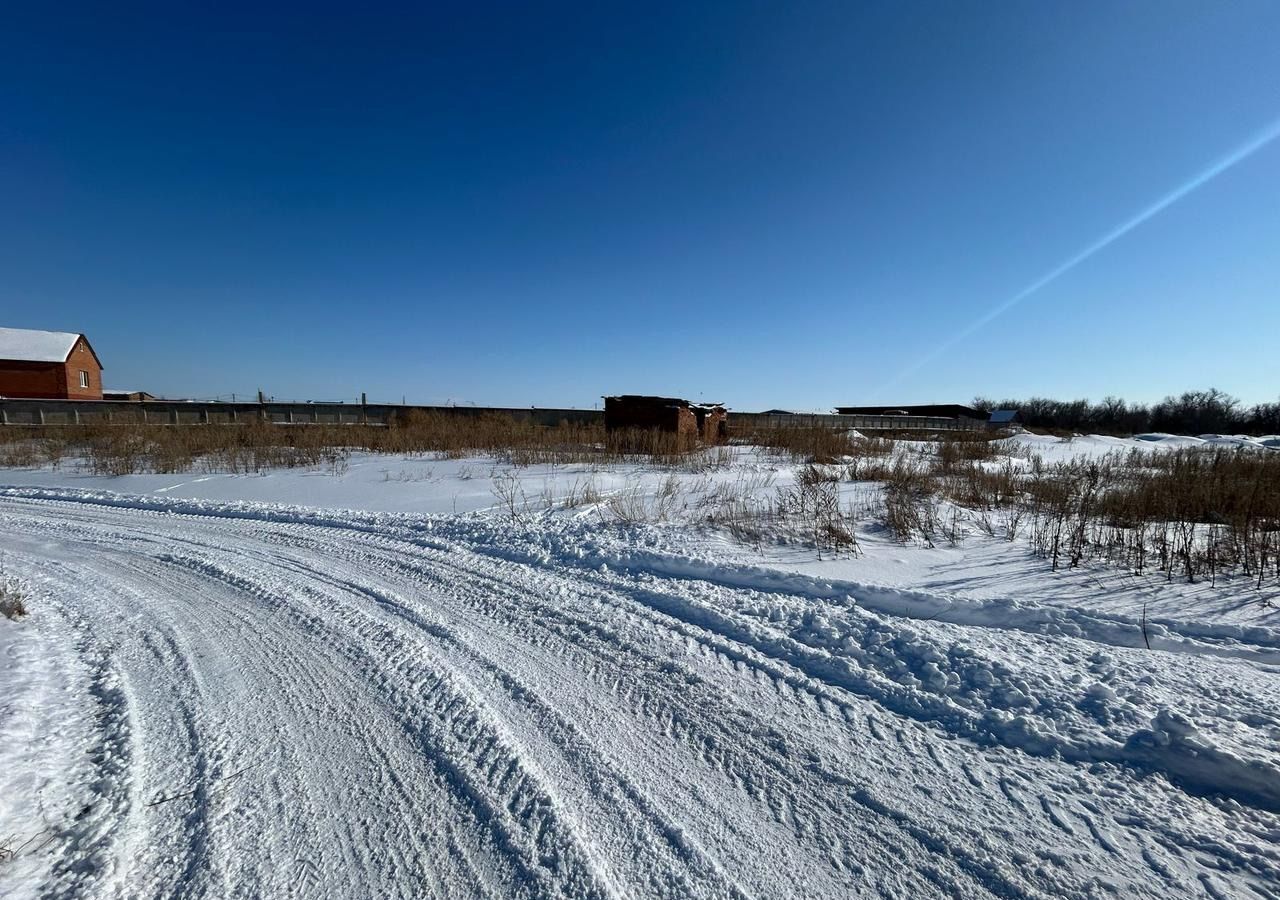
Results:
1168 440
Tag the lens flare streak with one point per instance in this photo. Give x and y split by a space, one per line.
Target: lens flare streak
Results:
1263 139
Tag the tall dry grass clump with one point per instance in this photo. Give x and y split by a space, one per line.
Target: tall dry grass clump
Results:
814 444
13 601
1193 513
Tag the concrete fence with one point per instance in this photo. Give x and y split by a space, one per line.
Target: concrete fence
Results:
180 412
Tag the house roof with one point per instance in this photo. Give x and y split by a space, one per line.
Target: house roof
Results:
1003 416
24 345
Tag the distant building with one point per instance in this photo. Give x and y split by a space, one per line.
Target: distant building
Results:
1004 418
941 410
133 396
705 421
964 416
53 365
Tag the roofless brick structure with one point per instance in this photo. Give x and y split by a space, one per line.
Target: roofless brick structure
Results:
695 421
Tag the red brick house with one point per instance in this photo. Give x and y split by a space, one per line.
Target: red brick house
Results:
56 365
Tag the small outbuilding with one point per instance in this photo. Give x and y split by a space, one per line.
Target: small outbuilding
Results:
713 422
707 422
48 365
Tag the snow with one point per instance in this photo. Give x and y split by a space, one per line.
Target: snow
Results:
1054 448
377 682
36 346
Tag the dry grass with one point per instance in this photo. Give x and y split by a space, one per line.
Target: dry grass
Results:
1195 513
810 510
806 444
958 448
13 603
123 449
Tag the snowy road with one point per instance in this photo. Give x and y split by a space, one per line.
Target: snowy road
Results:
240 702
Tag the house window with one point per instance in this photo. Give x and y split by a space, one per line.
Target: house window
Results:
84 379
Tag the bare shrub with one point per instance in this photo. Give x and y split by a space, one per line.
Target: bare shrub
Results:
23 454
13 602
630 505
1191 512
809 510
581 493
509 494
956 448
814 501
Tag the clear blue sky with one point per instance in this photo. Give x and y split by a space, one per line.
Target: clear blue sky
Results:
783 204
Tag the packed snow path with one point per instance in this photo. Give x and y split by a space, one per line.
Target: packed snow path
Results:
241 702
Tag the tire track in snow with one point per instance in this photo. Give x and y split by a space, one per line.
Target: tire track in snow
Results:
550 722
396 653
666 715
451 733
289 765
725 741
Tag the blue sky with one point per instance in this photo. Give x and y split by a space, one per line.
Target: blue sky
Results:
769 205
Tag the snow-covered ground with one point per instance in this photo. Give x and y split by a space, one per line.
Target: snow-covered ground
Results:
1052 448
378 683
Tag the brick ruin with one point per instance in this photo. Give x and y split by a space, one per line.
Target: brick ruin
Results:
705 422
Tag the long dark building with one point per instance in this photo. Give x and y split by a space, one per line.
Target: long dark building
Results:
938 410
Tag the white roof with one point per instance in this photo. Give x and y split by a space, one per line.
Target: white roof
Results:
36 346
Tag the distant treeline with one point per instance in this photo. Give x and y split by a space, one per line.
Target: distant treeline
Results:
1195 412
